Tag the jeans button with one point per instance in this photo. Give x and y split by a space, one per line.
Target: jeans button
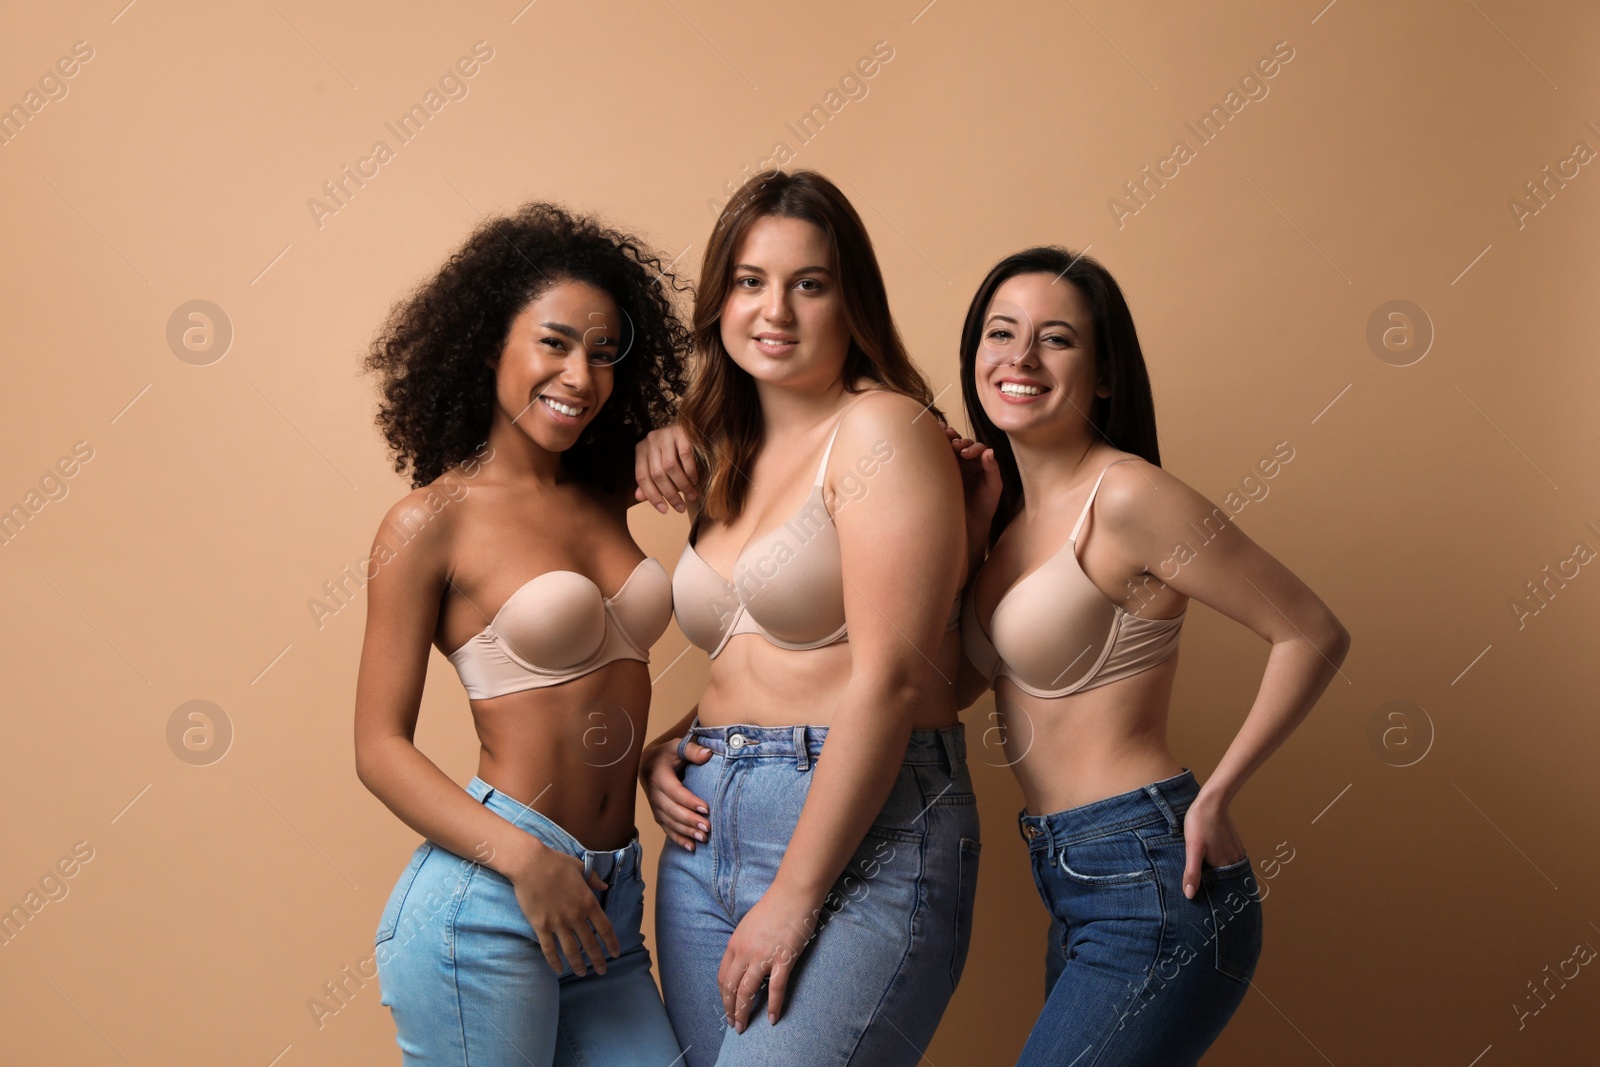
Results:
1030 832
736 741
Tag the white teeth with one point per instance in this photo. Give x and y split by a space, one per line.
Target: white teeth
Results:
564 409
1018 389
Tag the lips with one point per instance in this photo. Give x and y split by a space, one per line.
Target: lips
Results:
1018 390
566 411
776 344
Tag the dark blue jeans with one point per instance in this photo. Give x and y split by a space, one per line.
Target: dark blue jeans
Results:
1136 973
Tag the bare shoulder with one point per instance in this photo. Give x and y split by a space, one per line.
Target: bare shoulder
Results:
424 521
1137 495
886 418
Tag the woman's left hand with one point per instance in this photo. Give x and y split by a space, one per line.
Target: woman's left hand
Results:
764 947
1211 837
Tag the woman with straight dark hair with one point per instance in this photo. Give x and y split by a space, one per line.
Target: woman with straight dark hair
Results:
827 827
1074 619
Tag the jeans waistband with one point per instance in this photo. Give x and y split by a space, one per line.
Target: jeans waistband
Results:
945 747
617 862
1159 802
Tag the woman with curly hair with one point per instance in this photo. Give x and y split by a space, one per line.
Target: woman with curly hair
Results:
529 367
819 789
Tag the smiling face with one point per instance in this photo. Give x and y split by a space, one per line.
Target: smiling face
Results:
556 368
1035 365
783 319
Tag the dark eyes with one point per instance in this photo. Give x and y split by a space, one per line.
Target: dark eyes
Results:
1000 336
809 285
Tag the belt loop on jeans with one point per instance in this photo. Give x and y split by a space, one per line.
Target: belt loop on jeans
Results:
952 761
802 751
1174 822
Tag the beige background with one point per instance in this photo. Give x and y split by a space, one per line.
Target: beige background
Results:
1420 899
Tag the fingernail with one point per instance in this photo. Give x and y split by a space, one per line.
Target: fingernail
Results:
703 810
661 508
700 837
702 826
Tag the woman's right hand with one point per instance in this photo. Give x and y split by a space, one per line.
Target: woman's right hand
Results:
677 810
980 484
562 909
663 465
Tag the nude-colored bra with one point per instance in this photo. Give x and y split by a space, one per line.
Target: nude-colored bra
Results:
788 584
558 626
1056 624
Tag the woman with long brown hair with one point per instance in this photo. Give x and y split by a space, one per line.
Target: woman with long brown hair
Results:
1094 554
827 830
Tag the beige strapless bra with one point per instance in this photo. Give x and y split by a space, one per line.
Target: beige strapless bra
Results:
558 626
1054 633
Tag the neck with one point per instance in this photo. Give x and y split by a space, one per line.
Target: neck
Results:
789 410
1046 465
518 458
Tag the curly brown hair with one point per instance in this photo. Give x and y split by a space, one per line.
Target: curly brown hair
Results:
436 352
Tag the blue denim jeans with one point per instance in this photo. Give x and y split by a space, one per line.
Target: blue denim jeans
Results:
1136 973
872 984
464 976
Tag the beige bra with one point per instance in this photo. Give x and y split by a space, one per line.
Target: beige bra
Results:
788 585
1055 624
558 626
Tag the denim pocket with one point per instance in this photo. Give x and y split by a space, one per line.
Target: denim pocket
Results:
1115 859
966 896
1234 898
397 897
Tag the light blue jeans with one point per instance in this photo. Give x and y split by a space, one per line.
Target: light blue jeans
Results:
872 984
467 983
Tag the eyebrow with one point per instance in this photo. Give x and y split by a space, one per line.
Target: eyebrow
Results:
1042 325
753 269
567 331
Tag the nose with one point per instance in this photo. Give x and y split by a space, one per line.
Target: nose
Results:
577 374
777 309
